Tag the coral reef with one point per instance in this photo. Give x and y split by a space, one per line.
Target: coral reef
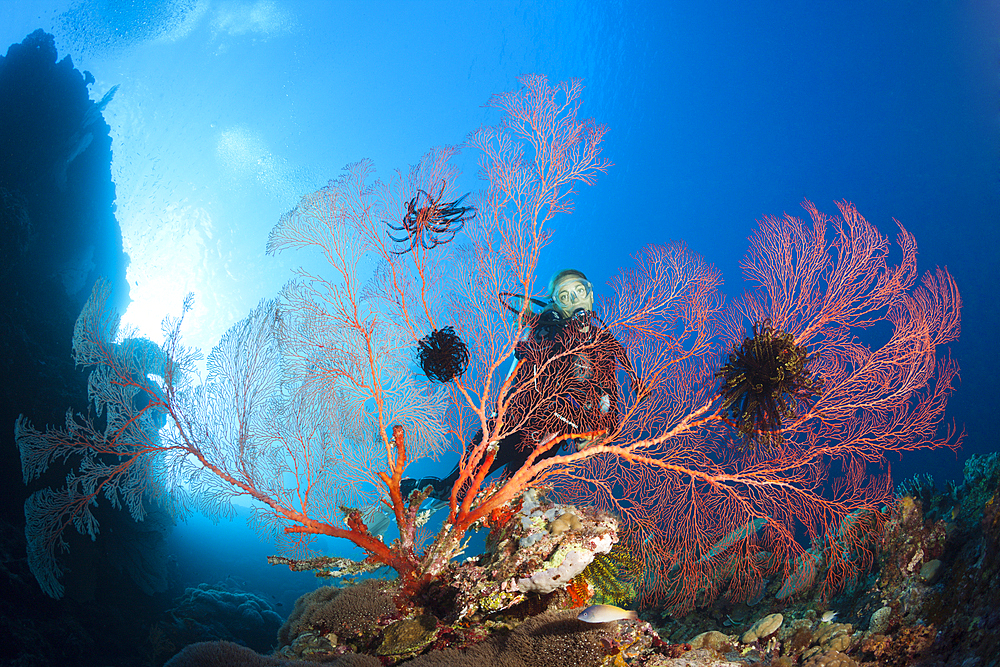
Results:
931 601
902 614
330 417
228 654
525 564
513 606
343 616
208 612
762 628
541 640
525 554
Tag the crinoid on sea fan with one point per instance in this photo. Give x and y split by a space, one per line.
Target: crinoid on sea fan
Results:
765 380
613 577
443 355
432 224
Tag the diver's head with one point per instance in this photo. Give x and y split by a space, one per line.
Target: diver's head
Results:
571 293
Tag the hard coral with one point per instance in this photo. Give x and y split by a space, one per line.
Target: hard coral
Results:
901 648
568 521
834 637
762 628
831 659
408 637
553 638
349 613
712 639
228 654
879 622
557 638
800 641
483 655
209 612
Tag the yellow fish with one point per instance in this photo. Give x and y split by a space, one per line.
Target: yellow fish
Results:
605 613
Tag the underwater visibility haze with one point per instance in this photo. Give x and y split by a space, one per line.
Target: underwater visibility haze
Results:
442 333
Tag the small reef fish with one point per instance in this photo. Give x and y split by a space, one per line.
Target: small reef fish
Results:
605 613
828 616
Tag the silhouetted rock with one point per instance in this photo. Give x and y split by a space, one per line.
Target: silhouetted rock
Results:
59 233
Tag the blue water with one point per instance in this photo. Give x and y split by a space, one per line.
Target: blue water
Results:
718 114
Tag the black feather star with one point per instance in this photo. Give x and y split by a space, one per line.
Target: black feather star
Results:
766 381
442 355
432 224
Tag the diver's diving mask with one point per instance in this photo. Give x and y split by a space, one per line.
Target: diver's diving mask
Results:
573 296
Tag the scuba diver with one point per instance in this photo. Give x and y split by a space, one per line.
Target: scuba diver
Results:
566 380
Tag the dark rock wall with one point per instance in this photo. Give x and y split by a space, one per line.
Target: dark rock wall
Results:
58 233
